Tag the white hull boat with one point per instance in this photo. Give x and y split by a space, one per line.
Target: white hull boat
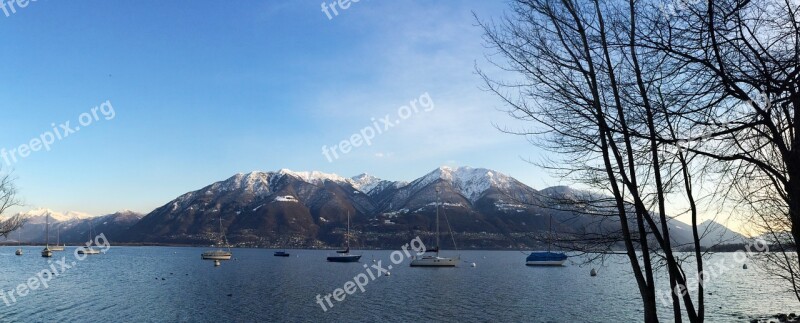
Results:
217 255
546 263
434 261
88 251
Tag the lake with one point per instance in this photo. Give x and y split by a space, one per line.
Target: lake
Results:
172 284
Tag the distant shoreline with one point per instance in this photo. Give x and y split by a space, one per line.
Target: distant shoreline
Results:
717 249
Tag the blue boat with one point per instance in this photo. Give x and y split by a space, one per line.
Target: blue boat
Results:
546 258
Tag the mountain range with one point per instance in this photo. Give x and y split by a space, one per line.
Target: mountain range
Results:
284 208
72 227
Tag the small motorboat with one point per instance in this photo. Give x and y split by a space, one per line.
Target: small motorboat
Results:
281 254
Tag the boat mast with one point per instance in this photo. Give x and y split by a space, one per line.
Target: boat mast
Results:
437 222
347 238
221 232
47 231
550 234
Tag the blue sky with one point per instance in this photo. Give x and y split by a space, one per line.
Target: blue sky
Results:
203 90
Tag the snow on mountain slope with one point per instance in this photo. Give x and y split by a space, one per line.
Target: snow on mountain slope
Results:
470 182
314 177
39 215
365 182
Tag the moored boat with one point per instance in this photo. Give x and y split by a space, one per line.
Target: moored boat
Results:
58 246
546 258
219 254
435 261
88 250
344 255
46 252
19 243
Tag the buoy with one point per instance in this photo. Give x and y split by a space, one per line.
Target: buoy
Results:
216 263
474 265
744 266
593 272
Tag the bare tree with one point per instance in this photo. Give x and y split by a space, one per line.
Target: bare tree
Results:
8 199
749 53
607 107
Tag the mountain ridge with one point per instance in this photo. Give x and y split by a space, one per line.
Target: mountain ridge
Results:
485 208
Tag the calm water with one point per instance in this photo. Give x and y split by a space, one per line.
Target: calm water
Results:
165 284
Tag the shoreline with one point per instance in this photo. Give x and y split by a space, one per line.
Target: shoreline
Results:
129 244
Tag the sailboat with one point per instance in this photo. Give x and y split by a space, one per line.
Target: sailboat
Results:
46 252
58 246
546 258
88 250
19 243
435 261
219 254
344 255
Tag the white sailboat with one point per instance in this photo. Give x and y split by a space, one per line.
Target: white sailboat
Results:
58 246
219 254
19 243
435 261
88 250
46 252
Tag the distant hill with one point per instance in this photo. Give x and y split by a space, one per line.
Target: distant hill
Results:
73 227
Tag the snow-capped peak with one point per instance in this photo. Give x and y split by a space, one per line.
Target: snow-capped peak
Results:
471 182
56 216
365 182
314 176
